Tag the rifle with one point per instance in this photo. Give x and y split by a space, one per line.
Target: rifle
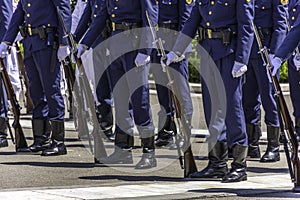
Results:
188 162
21 144
284 115
70 78
99 149
28 104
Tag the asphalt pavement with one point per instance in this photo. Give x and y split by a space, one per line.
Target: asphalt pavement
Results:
75 176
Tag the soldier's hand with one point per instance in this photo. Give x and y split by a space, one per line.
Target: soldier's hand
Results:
141 59
63 52
81 49
296 61
3 50
276 63
238 69
173 57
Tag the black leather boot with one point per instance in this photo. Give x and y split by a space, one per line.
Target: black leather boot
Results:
3 133
148 158
122 153
58 135
217 165
238 165
41 132
105 118
254 133
272 152
165 135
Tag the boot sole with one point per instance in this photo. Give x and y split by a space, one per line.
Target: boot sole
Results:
55 154
237 180
148 167
270 161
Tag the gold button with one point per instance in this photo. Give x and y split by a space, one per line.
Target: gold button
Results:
95 15
293 18
170 2
263 7
28 15
48 25
212 2
200 3
210 12
207 24
96 6
294 9
28 4
29 25
113 15
226 4
116 8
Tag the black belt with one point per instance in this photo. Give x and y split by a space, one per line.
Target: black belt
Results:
124 26
225 34
42 31
173 26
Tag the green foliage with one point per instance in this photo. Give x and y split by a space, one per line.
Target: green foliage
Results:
284 73
73 3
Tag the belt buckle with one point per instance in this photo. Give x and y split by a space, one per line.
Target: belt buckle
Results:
113 26
209 33
29 31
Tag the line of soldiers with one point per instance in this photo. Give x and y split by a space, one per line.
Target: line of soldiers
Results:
225 32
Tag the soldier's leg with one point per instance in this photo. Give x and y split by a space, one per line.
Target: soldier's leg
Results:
50 77
217 146
267 94
104 109
40 122
165 125
294 82
235 122
124 122
137 80
251 106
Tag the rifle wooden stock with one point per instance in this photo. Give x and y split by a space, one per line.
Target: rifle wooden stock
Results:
21 144
99 148
29 104
189 164
284 113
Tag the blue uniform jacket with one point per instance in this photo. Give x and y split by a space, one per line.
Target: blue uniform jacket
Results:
89 14
130 11
32 13
293 38
270 14
5 15
173 13
217 14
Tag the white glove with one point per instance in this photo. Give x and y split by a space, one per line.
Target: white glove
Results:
276 63
238 69
141 59
172 57
3 50
81 49
63 52
296 61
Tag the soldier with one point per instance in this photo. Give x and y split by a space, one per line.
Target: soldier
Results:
44 47
6 11
126 16
172 16
103 91
226 34
270 20
286 52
